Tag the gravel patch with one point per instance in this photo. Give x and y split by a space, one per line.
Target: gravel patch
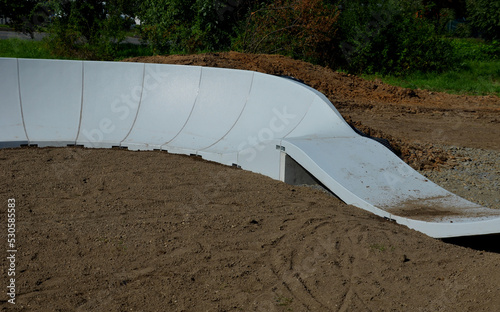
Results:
474 175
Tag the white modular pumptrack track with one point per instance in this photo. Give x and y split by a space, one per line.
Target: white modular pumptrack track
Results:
266 124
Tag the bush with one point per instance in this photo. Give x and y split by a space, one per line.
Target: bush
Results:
26 16
370 36
157 24
303 29
387 38
484 16
88 29
191 26
476 49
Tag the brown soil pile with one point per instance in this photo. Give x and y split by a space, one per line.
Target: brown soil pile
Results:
114 230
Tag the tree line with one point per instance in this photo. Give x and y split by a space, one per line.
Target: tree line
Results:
383 36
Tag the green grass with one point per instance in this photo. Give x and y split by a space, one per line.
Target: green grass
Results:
130 50
475 78
24 49
15 47
478 73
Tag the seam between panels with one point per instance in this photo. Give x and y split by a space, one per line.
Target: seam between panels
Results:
239 116
138 106
81 104
191 112
21 100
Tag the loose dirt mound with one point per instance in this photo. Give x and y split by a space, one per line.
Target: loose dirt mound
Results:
113 230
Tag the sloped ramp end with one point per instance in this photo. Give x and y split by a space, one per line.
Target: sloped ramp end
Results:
365 174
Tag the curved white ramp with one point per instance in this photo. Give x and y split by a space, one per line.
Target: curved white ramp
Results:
266 124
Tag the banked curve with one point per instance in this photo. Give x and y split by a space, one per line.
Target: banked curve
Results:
266 124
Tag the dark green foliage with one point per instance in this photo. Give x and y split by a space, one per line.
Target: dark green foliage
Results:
89 29
484 16
389 38
476 49
26 16
371 36
160 28
396 37
191 26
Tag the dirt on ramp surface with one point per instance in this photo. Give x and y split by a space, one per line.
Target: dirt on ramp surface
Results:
115 230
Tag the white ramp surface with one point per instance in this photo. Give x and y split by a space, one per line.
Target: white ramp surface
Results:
51 99
258 122
222 97
170 93
12 132
112 94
